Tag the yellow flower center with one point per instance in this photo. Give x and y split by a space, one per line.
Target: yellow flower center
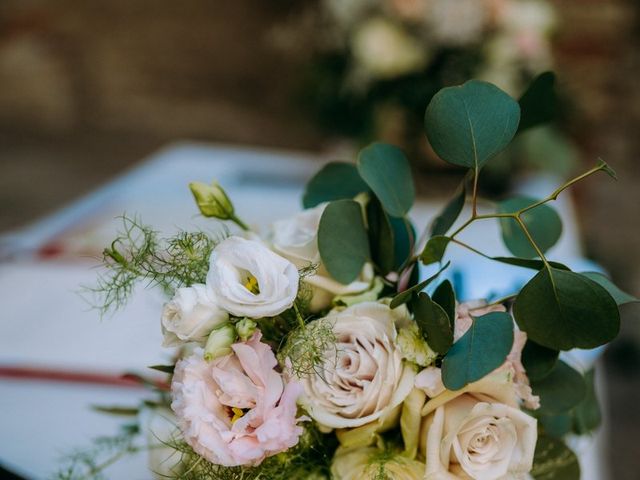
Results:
238 413
252 284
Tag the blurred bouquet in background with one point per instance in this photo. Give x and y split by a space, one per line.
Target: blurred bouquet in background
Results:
375 64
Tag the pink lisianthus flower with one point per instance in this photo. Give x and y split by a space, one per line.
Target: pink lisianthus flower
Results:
236 409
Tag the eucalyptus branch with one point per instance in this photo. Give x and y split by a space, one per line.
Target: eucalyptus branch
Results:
533 243
474 197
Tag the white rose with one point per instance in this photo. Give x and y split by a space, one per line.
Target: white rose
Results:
363 378
249 280
190 316
296 239
478 433
385 50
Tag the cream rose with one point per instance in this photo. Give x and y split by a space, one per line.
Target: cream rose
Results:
249 280
361 463
296 239
190 316
478 432
364 377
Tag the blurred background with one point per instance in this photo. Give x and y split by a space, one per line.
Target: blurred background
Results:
90 88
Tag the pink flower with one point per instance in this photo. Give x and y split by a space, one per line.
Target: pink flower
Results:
237 409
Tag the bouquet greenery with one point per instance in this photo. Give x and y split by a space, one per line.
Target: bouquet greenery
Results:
319 350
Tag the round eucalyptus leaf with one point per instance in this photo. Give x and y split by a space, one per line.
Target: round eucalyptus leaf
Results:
445 296
381 237
334 181
621 297
469 124
450 213
560 391
538 103
478 352
433 323
386 170
343 241
538 361
563 310
543 223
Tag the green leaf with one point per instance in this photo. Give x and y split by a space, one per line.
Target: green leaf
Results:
343 241
448 216
404 234
469 124
618 295
381 237
556 426
480 351
529 263
433 323
538 361
117 411
543 223
561 390
587 415
538 104
386 170
563 310
434 249
553 460
445 296
404 297
334 181
163 368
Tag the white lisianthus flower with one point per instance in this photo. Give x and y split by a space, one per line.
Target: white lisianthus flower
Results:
249 280
190 316
478 432
296 239
364 377
413 346
384 50
370 462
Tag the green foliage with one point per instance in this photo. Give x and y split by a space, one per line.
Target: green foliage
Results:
469 124
312 456
538 104
434 249
404 234
381 237
307 347
433 323
553 460
538 361
563 310
542 222
138 255
386 170
405 296
480 351
560 391
528 263
621 297
446 298
90 463
343 241
334 181
587 414
450 213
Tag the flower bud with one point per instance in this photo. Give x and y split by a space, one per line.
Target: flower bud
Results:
245 328
219 342
212 200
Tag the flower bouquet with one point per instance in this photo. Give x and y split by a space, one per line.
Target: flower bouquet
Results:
321 349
